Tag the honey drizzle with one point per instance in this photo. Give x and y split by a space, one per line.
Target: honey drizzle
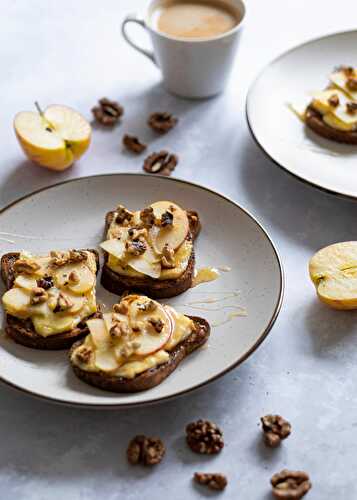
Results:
204 275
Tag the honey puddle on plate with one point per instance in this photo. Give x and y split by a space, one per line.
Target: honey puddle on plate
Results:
204 275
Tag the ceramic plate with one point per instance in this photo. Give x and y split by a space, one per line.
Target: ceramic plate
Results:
243 303
290 79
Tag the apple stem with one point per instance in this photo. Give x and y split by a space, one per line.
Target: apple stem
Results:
38 107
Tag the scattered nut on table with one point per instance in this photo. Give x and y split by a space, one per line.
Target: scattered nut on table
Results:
290 485
145 450
275 428
204 437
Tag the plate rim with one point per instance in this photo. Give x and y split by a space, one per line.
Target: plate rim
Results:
324 189
261 338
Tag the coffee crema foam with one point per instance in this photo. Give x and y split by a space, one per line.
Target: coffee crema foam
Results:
194 19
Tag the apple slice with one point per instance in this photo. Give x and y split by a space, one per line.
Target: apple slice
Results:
85 275
16 301
25 282
98 331
172 235
150 340
54 138
147 263
114 247
333 271
52 323
106 360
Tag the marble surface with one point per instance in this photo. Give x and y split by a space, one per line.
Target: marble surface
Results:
72 53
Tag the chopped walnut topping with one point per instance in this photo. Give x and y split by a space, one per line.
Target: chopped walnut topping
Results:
351 83
147 217
137 326
83 354
38 296
160 163
351 108
347 70
145 450
46 282
204 437
115 331
77 256
213 481
26 266
157 323
167 219
275 429
334 100
63 303
137 234
107 112
168 257
58 259
135 247
162 122
74 277
121 308
147 306
133 144
290 485
123 216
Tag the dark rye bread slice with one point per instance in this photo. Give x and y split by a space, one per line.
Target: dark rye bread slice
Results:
22 330
314 121
152 377
154 288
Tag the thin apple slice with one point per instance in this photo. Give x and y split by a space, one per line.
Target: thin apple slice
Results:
52 323
99 333
16 301
106 360
147 263
333 271
149 339
85 275
25 282
114 247
172 235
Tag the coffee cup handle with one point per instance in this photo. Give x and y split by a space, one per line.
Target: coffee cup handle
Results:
132 18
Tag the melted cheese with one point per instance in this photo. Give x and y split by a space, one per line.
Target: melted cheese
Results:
133 368
17 300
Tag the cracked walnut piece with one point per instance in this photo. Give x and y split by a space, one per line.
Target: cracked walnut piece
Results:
133 144
162 122
275 429
213 481
145 450
107 112
162 163
204 437
26 266
168 257
290 485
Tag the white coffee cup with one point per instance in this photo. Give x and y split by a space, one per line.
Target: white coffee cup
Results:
193 68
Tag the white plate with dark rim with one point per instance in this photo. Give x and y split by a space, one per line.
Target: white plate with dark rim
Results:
71 214
282 136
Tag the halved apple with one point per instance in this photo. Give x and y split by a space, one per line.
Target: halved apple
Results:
54 138
172 235
333 271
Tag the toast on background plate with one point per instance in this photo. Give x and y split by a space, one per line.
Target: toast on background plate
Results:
136 346
150 251
49 297
332 113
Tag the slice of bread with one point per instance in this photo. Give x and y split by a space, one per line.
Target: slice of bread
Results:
22 330
314 121
152 377
156 289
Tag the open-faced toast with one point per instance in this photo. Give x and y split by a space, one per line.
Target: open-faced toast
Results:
160 277
118 358
39 314
332 112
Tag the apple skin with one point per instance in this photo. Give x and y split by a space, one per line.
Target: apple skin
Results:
61 155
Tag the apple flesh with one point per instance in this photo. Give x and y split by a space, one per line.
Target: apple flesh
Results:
173 235
54 139
333 270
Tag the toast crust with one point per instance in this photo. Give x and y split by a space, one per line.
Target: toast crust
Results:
22 330
314 121
151 377
156 289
